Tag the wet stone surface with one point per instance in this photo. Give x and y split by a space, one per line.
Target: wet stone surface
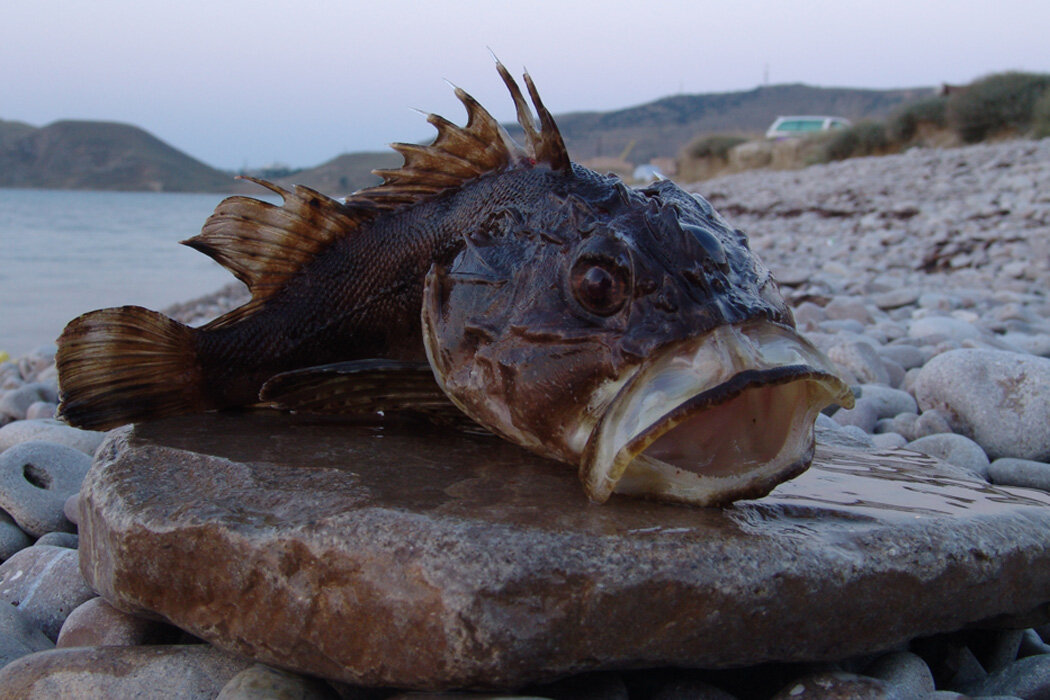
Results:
466 562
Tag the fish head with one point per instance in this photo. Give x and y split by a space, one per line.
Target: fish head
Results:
632 333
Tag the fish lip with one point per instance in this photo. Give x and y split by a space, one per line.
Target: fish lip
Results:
753 364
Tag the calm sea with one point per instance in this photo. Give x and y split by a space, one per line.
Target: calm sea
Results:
63 253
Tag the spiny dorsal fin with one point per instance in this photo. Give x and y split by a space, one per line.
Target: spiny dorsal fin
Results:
264 244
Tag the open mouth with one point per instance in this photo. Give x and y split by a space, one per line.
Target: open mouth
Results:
724 416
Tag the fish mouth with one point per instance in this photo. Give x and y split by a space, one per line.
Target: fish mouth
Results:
713 419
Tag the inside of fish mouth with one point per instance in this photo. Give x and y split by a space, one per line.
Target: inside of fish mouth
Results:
747 424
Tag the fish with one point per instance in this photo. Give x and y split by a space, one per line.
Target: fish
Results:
629 333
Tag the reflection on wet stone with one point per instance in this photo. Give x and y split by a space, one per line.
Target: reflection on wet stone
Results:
401 555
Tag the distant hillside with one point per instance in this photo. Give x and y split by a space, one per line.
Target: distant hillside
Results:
110 156
662 127
344 174
99 156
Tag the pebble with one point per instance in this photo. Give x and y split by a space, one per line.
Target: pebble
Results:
36 478
1009 471
87 441
45 584
998 398
68 540
954 449
187 672
905 672
260 682
1024 678
96 623
19 636
41 409
16 403
12 537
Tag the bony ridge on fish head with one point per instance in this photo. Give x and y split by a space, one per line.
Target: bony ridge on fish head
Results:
631 333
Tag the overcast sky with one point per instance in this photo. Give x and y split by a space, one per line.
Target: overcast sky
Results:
246 83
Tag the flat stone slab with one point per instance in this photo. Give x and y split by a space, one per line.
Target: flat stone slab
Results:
410 557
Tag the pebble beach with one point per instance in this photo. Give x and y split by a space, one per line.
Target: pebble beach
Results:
923 276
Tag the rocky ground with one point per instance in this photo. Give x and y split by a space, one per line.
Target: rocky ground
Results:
924 276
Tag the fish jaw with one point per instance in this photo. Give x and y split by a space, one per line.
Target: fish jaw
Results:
713 419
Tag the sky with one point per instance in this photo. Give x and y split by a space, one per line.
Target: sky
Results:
239 83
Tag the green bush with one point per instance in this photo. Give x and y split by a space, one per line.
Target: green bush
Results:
716 145
905 123
862 139
999 103
1041 116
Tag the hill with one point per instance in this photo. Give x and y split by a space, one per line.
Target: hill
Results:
112 156
661 128
344 174
100 156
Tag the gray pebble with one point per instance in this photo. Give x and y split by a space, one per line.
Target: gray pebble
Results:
849 308
903 423
894 372
931 422
1024 678
68 540
41 409
36 478
863 415
45 584
861 360
831 433
262 681
808 315
12 537
834 685
888 441
1010 471
37 361
906 673
998 398
71 508
907 356
87 441
16 402
1032 644
18 636
888 402
896 298
954 449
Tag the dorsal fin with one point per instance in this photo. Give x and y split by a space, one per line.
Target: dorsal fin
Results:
264 244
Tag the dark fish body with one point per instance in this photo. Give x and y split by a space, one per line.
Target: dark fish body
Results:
556 307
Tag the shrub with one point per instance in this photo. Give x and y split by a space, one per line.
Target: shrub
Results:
1041 117
905 123
713 145
998 103
862 139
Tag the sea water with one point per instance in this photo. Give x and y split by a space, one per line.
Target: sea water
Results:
66 252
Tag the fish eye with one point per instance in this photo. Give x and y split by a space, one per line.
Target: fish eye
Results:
601 280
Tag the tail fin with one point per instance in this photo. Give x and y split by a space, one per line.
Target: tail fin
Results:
127 364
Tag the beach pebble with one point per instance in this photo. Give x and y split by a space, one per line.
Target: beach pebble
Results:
41 409
998 398
96 623
260 681
45 584
18 636
888 402
829 432
87 441
931 422
193 672
71 508
861 360
954 449
36 478
905 672
16 402
888 441
907 356
1010 471
1024 678
863 415
33 363
68 540
12 537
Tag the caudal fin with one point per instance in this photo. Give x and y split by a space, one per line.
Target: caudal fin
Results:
127 364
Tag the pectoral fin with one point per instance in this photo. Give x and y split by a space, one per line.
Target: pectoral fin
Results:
365 387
